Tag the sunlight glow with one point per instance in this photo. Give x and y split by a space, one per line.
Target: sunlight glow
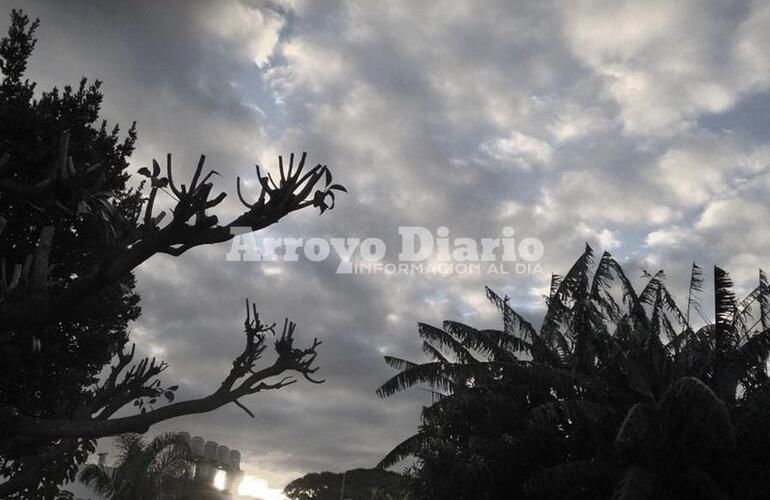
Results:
254 487
220 480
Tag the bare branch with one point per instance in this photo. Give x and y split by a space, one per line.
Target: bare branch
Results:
125 384
243 407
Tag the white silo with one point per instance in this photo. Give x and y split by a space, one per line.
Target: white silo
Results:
234 481
210 450
235 460
196 446
223 455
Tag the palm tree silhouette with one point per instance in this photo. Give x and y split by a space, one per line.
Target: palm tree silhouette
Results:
615 395
143 471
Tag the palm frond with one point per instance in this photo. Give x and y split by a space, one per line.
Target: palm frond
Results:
168 455
434 374
753 418
724 303
399 363
701 485
764 301
98 478
555 283
603 274
695 289
404 449
637 380
638 483
693 415
600 291
572 410
434 353
574 287
572 475
516 326
671 307
756 350
543 377
496 344
128 445
634 303
635 429
447 341
651 288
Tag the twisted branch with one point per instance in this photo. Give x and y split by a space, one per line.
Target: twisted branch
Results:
140 380
190 226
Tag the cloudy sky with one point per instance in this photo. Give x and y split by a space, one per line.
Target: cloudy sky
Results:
638 127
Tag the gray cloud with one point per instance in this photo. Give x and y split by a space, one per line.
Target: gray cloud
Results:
631 125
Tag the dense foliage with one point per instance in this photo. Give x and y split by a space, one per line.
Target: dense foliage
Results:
363 484
616 395
47 372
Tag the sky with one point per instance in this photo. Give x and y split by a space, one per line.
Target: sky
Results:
642 128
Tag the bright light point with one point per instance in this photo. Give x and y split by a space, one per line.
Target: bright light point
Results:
253 487
220 480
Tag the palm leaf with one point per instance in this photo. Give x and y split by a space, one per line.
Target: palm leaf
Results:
128 446
651 288
515 325
404 449
168 455
695 288
542 377
398 363
763 300
97 478
700 485
694 416
637 380
573 411
724 304
635 429
670 306
600 290
631 299
753 418
492 343
603 274
756 350
569 476
434 374
638 483
433 353
447 341
574 287
746 306
555 283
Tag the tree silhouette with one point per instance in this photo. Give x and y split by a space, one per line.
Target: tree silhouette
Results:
616 395
364 484
71 233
